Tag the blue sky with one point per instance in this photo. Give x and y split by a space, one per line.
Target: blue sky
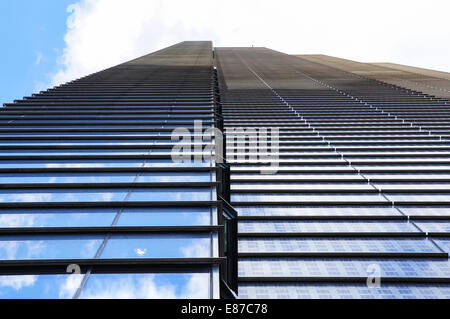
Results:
32 37
49 42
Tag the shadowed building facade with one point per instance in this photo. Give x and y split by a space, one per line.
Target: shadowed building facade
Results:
361 189
430 82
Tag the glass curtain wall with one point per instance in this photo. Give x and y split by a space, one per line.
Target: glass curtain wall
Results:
358 203
93 203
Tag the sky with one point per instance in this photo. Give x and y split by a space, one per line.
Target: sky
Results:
45 43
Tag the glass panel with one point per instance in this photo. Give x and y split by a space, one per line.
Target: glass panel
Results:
336 245
96 121
355 267
165 106
39 286
413 186
434 226
187 163
343 291
302 186
254 159
68 178
57 217
417 197
443 243
175 177
147 286
306 168
158 246
62 135
62 195
400 168
324 227
109 177
315 211
292 158
413 160
129 142
111 115
302 176
173 194
205 140
412 176
73 163
425 211
89 142
332 197
50 152
49 247
165 216
97 127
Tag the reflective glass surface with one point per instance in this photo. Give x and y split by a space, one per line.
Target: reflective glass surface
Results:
57 217
175 177
303 176
110 177
292 197
39 286
303 186
325 226
158 246
69 195
443 243
406 245
420 197
425 211
343 267
68 178
343 291
172 194
148 286
49 247
49 163
166 216
62 195
297 210
434 226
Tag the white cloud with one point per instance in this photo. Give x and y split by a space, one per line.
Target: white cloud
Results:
17 282
70 285
17 220
197 287
38 58
147 286
21 249
129 287
31 197
103 33
201 248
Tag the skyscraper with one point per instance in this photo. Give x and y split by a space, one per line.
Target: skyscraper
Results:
339 181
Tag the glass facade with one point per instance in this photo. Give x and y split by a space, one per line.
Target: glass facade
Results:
347 184
113 185
93 204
